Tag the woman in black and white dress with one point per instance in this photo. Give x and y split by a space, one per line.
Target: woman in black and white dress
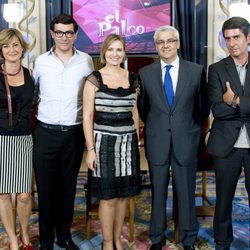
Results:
111 128
16 96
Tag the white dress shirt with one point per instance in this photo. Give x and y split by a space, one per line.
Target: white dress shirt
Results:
174 71
60 87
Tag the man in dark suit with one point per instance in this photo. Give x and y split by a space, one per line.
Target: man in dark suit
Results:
172 133
229 93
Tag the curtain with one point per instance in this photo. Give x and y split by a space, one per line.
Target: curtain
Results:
3 23
54 8
190 19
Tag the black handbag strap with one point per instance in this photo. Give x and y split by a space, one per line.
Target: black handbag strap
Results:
8 95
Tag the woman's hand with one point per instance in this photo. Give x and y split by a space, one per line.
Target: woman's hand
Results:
91 160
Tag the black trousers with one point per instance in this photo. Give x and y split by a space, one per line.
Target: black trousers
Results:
184 178
227 172
57 159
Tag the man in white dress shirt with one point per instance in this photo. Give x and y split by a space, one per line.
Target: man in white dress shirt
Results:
58 137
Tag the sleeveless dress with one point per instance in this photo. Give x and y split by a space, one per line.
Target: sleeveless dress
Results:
116 143
16 143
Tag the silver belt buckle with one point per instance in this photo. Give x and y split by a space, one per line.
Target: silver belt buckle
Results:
64 128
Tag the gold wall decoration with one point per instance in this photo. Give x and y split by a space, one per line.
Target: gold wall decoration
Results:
23 27
224 8
218 13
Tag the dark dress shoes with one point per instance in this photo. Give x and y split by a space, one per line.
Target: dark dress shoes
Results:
220 247
46 247
189 247
68 245
159 245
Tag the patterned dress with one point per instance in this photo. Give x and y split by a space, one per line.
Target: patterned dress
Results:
118 164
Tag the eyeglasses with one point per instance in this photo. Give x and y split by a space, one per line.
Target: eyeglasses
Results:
68 33
168 41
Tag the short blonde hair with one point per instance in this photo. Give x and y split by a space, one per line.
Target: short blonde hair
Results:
107 42
6 35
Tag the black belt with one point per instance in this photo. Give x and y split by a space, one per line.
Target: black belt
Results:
57 127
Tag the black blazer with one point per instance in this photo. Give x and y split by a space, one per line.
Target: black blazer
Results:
227 120
180 126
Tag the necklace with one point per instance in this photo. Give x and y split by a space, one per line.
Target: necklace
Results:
9 74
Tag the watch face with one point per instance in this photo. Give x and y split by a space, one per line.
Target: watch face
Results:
135 20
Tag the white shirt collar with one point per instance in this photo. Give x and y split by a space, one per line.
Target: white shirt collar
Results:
51 51
175 63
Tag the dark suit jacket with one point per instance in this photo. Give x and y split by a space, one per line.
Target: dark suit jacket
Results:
181 124
227 120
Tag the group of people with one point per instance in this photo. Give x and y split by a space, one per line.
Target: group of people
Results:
171 98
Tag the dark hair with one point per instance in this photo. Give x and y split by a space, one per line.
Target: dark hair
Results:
237 23
107 42
64 19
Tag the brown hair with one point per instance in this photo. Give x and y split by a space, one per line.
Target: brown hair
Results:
107 42
6 35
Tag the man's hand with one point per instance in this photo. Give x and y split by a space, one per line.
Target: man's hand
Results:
228 95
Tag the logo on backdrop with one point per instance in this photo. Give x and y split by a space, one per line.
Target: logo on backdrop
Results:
115 24
135 20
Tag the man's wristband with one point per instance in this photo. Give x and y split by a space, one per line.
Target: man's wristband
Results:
90 149
234 102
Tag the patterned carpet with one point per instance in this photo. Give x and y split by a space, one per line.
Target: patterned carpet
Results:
241 216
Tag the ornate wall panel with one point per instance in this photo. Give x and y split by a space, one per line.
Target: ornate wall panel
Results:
218 12
33 28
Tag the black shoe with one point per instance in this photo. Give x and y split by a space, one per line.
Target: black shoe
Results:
220 247
159 245
189 247
69 245
46 247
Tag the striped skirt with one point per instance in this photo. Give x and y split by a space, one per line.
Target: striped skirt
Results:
117 172
16 163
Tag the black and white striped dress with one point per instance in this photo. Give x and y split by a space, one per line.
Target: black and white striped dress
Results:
16 163
118 165
16 143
